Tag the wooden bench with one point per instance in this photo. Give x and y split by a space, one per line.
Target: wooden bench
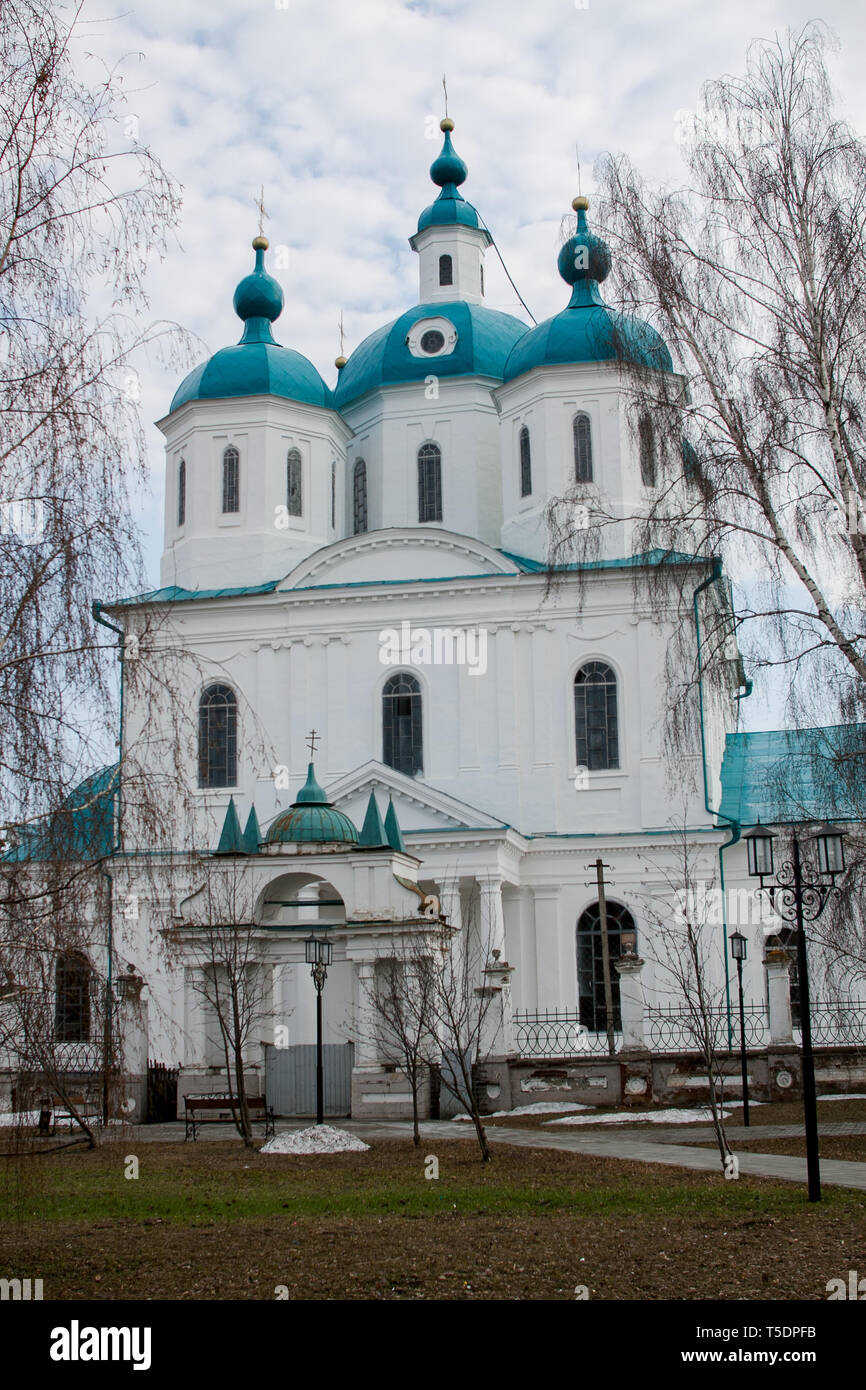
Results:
221 1109
89 1108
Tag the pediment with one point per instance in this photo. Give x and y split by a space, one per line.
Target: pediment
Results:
418 806
400 554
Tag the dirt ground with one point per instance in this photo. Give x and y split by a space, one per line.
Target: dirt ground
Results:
214 1221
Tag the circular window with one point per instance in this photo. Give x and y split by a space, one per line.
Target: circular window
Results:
432 340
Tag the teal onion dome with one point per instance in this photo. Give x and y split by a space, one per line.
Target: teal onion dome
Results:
584 256
311 819
259 295
449 168
448 171
257 365
587 330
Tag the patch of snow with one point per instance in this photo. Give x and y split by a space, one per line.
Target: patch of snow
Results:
855 1095
11 1119
647 1117
318 1139
541 1107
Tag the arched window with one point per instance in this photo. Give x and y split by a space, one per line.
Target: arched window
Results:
294 495
402 746
595 717
525 463
647 450
218 737
181 492
231 480
359 497
446 271
590 964
481 268
333 495
582 430
72 983
429 482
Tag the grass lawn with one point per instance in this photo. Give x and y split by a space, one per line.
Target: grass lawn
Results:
213 1221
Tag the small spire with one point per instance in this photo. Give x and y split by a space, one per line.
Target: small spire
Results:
392 829
231 839
252 836
373 831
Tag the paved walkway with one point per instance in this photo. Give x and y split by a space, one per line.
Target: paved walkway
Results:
667 1146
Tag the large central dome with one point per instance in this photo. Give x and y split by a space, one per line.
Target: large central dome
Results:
484 339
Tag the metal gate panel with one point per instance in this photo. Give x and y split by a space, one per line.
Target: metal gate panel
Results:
290 1078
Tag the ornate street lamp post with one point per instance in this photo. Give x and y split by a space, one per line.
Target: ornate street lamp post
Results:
319 955
739 948
800 898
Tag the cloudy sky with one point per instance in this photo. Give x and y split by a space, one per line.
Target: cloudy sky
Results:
333 106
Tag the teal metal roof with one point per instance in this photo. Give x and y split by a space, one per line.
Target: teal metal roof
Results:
257 365
173 593
645 558
485 337
790 775
587 330
312 819
82 829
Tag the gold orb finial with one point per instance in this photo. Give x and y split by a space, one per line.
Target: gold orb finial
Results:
581 203
340 362
446 124
260 243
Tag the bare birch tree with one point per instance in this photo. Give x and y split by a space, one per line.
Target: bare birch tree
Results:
223 944
687 955
402 999
753 271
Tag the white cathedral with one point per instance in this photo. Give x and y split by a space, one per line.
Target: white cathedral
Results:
370 561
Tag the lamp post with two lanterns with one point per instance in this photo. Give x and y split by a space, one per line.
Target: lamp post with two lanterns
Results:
801 896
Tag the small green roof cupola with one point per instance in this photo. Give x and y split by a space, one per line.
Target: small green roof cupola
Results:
312 819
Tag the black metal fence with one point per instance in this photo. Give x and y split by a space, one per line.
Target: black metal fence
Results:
838 1025
678 1029
558 1033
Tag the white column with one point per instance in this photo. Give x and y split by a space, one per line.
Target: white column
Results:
492 924
631 1001
779 995
547 928
366 1024
449 902
193 1009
